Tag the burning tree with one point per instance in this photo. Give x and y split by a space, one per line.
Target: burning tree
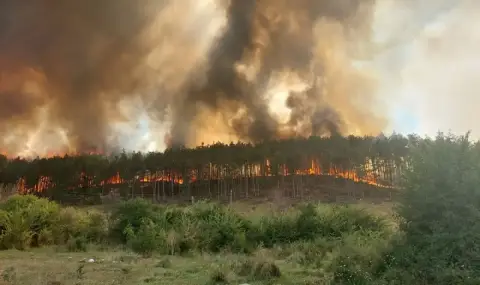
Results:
217 170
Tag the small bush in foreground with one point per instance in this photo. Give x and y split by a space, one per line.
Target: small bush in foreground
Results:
28 221
220 228
131 214
24 219
147 239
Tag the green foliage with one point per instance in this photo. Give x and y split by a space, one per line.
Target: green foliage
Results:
27 221
131 214
312 222
77 244
147 239
440 210
98 226
220 227
335 221
91 225
147 228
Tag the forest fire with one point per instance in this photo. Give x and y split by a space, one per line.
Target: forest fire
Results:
280 164
45 182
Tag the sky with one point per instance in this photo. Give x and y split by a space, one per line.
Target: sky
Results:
429 76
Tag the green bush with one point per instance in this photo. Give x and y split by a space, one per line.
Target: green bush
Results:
17 233
77 244
440 210
357 258
277 229
98 226
147 239
5 228
28 218
220 228
339 220
131 214
73 223
312 222
27 221
203 226
147 228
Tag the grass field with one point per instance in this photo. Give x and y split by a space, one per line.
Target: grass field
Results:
298 261
46 266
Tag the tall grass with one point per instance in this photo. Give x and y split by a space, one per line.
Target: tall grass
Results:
28 221
339 240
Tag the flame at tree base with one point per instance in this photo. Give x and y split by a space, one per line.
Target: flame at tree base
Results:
84 181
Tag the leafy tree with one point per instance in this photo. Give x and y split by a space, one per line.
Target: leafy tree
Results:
440 210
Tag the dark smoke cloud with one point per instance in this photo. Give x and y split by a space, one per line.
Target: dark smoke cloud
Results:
276 36
80 59
85 50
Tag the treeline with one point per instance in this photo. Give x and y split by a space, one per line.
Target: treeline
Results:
217 168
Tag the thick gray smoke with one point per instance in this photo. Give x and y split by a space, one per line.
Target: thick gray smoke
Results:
70 71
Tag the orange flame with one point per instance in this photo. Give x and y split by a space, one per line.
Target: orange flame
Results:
44 182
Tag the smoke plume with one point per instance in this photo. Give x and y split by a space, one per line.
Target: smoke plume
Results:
80 76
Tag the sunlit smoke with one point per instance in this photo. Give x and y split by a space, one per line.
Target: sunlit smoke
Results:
106 75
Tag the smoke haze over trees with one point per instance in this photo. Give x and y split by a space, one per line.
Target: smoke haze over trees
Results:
81 76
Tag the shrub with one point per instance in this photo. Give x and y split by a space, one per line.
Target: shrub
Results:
91 226
5 228
27 221
356 259
312 222
18 234
220 228
77 244
28 217
148 228
277 229
147 239
340 220
132 214
72 223
98 226
440 209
